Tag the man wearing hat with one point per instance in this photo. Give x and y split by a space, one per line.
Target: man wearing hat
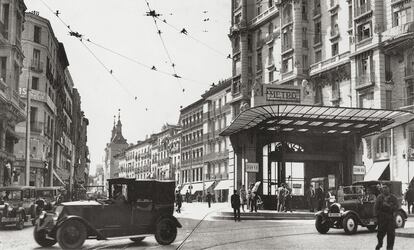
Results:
235 204
385 206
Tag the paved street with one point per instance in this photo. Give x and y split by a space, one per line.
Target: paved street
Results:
212 234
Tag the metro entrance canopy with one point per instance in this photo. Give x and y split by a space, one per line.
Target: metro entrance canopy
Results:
316 119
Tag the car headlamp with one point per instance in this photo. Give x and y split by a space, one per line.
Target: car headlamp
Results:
342 209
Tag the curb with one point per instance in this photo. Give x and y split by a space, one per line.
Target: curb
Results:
401 233
262 218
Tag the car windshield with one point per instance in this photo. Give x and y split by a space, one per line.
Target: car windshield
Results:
11 195
353 192
44 193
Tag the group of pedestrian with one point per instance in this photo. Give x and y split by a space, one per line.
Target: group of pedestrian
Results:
250 199
315 198
284 198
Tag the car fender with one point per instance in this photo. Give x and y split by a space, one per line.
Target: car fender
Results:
177 223
405 216
320 213
88 226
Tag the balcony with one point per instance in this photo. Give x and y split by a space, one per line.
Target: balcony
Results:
286 46
214 156
401 30
36 127
365 80
362 9
36 66
287 20
330 62
316 12
263 16
334 32
333 5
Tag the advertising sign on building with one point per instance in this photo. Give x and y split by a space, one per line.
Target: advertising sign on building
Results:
252 167
358 170
282 94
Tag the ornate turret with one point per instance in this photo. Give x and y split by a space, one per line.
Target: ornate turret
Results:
117 131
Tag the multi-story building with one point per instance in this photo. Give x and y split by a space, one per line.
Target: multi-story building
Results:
216 117
12 108
175 155
135 161
40 46
192 149
116 145
164 159
347 56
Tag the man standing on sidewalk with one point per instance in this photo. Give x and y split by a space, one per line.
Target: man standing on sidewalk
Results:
208 198
235 204
385 206
409 198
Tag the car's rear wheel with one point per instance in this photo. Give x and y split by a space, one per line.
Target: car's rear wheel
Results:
165 231
71 235
372 228
137 239
20 222
350 224
399 219
321 225
40 238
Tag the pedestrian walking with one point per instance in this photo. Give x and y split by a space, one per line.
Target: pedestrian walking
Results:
243 197
178 201
385 206
288 199
208 198
409 198
235 204
282 193
319 197
249 199
187 196
253 205
310 198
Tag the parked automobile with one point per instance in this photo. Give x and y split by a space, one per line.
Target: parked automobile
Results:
47 197
357 208
135 208
17 206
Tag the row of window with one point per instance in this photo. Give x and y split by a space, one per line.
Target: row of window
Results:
192 175
192 154
196 118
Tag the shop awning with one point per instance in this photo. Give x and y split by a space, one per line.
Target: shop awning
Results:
208 184
376 170
197 187
223 185
315 119
184 189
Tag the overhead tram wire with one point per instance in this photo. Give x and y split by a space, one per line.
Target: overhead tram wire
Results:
153 14
80 38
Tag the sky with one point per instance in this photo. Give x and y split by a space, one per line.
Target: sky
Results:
147 99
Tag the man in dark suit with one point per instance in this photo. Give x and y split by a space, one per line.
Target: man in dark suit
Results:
235 204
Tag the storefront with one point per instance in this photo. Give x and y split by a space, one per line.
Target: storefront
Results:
301 145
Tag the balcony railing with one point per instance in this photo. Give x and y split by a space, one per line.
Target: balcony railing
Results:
36 66
286 46
363 8
316 11
263 15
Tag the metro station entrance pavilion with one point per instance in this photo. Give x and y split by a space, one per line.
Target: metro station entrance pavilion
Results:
301 145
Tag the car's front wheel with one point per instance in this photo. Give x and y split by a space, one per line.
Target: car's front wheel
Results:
321 225
137 239
350 224
165 231
71 235
40 238
399 219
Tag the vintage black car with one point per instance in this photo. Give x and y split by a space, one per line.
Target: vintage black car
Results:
17 206
145 207
356 207
47 197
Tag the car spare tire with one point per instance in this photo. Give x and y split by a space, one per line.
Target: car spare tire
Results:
165 231
321 225
399 219
40 238
71 235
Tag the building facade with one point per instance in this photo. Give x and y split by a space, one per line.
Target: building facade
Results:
216 117
12 108
339 54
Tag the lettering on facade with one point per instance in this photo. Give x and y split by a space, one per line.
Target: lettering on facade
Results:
252 167
358 170
282 94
